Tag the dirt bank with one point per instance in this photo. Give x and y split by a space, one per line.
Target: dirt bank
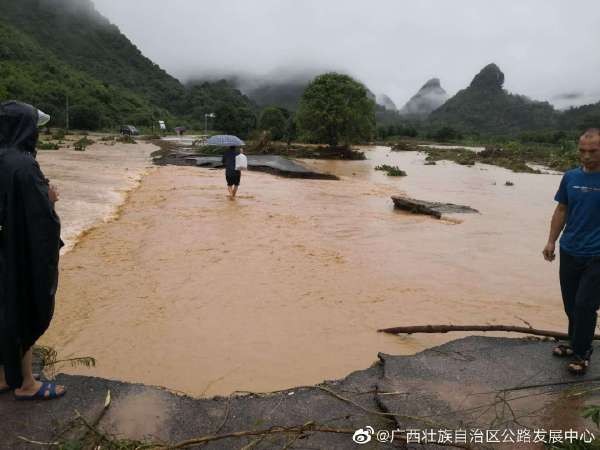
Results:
480 385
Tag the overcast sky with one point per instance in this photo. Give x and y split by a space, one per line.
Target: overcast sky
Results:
546 48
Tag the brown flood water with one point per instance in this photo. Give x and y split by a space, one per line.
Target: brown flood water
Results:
288 284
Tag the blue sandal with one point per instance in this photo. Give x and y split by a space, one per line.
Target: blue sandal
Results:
46 387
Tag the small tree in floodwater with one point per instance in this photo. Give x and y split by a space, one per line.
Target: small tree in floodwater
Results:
335 109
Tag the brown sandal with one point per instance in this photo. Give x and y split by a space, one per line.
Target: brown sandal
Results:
562 350
579 365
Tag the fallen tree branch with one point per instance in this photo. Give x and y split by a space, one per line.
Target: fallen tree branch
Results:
275 430
299 430
92 427
388 415
537 386
447 328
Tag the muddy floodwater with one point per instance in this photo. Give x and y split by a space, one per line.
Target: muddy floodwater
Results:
288 284
92 184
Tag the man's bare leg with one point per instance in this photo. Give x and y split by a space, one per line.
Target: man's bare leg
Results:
230 189
30 385
235 188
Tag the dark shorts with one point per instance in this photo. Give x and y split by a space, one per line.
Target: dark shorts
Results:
233 177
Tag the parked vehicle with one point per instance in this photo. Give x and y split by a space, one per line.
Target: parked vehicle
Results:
129 130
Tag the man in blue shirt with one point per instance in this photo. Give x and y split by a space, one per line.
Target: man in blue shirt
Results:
577 216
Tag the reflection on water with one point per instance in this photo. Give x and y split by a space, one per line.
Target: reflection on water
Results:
288 284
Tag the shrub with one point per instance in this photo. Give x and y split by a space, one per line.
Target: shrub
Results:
392 171
126 139
47 146
59 135
82 144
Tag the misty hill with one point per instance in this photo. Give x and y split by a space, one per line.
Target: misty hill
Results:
485 107
31 73
430 97
386 102
74 32
286 91
282 94
235 112
581 117
51 49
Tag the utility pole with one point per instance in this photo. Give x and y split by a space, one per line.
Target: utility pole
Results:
206 116
67 114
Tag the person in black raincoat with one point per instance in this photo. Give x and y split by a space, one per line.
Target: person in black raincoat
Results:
29 251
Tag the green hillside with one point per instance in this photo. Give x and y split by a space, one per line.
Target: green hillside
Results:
485 107
581 118
77 34
235 113
51 49
32 74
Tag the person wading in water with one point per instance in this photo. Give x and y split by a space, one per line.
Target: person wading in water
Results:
577 215
232 176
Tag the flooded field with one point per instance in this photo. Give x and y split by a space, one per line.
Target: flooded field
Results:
288 284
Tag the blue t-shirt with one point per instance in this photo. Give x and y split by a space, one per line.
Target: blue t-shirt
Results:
580 191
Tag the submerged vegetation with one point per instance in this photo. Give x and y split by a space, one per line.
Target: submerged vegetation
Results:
47 146
554 149
82 144
392 171
126 139
514 156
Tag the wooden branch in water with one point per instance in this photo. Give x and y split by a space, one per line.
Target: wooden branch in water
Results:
447 328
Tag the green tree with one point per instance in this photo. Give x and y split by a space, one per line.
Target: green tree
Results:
273 120
85 117
232 120
335 109
446 134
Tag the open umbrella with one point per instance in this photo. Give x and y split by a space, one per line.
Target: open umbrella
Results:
225 140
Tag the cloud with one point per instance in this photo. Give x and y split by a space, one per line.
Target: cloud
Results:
544 47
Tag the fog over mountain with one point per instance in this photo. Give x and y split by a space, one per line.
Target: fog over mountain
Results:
386 102
430 97
547 48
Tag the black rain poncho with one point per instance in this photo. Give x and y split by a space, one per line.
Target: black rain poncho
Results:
29 240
